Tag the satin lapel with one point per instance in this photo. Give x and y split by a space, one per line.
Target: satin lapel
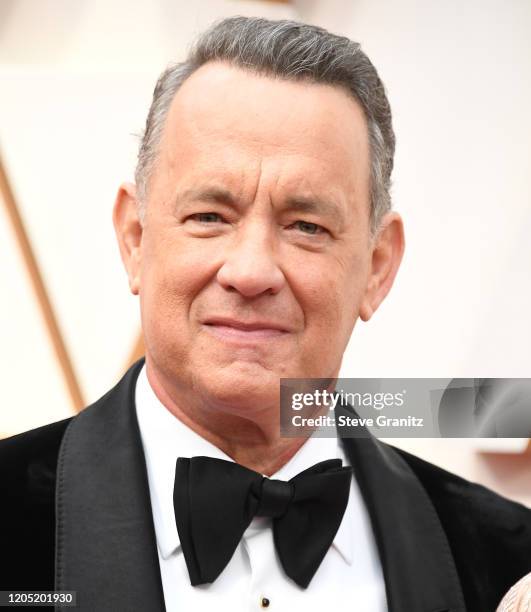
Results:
105 539
419 569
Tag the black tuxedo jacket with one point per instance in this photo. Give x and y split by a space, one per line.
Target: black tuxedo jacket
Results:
75 515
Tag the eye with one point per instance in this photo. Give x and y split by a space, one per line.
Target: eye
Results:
306 227
207 217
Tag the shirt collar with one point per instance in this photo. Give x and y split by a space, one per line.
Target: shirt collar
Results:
165 437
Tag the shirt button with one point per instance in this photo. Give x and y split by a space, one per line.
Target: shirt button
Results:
264 602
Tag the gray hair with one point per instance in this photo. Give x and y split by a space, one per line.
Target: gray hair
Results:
293 51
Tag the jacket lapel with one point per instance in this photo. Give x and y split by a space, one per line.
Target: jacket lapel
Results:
418 566
105 539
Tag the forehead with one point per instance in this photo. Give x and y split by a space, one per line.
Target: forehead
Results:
228 118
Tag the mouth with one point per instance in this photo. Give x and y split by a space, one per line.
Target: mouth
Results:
244 331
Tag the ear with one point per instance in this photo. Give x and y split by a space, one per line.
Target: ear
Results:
387 251
128 228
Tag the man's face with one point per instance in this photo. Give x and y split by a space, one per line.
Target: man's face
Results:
255 255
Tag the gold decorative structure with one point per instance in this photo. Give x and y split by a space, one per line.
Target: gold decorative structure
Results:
41 294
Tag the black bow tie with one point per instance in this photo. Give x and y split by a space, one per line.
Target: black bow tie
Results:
215 500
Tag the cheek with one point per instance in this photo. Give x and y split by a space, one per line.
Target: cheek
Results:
164 303
331 302
169 281
160 290
329 316
173 270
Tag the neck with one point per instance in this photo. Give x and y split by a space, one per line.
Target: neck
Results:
252 440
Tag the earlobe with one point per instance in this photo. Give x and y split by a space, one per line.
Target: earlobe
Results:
128 229
366 311
387 254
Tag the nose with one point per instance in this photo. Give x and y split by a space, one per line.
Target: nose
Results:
250 266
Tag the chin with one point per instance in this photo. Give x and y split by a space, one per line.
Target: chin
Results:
238 391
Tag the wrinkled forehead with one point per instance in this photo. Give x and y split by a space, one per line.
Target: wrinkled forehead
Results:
219 100
226 118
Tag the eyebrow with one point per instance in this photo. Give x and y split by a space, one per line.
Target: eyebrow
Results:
315 205
303 204
207 194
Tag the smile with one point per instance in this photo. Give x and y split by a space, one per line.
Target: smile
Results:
232 330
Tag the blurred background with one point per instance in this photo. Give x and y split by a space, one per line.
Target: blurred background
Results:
76 83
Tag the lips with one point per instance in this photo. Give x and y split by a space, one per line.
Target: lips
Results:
235 330
245 325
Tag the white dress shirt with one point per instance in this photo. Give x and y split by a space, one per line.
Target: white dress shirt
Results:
349 578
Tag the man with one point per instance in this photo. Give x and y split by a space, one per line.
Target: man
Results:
258 232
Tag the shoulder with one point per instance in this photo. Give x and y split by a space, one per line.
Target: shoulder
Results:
28 464
489 535
450 492
18 452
